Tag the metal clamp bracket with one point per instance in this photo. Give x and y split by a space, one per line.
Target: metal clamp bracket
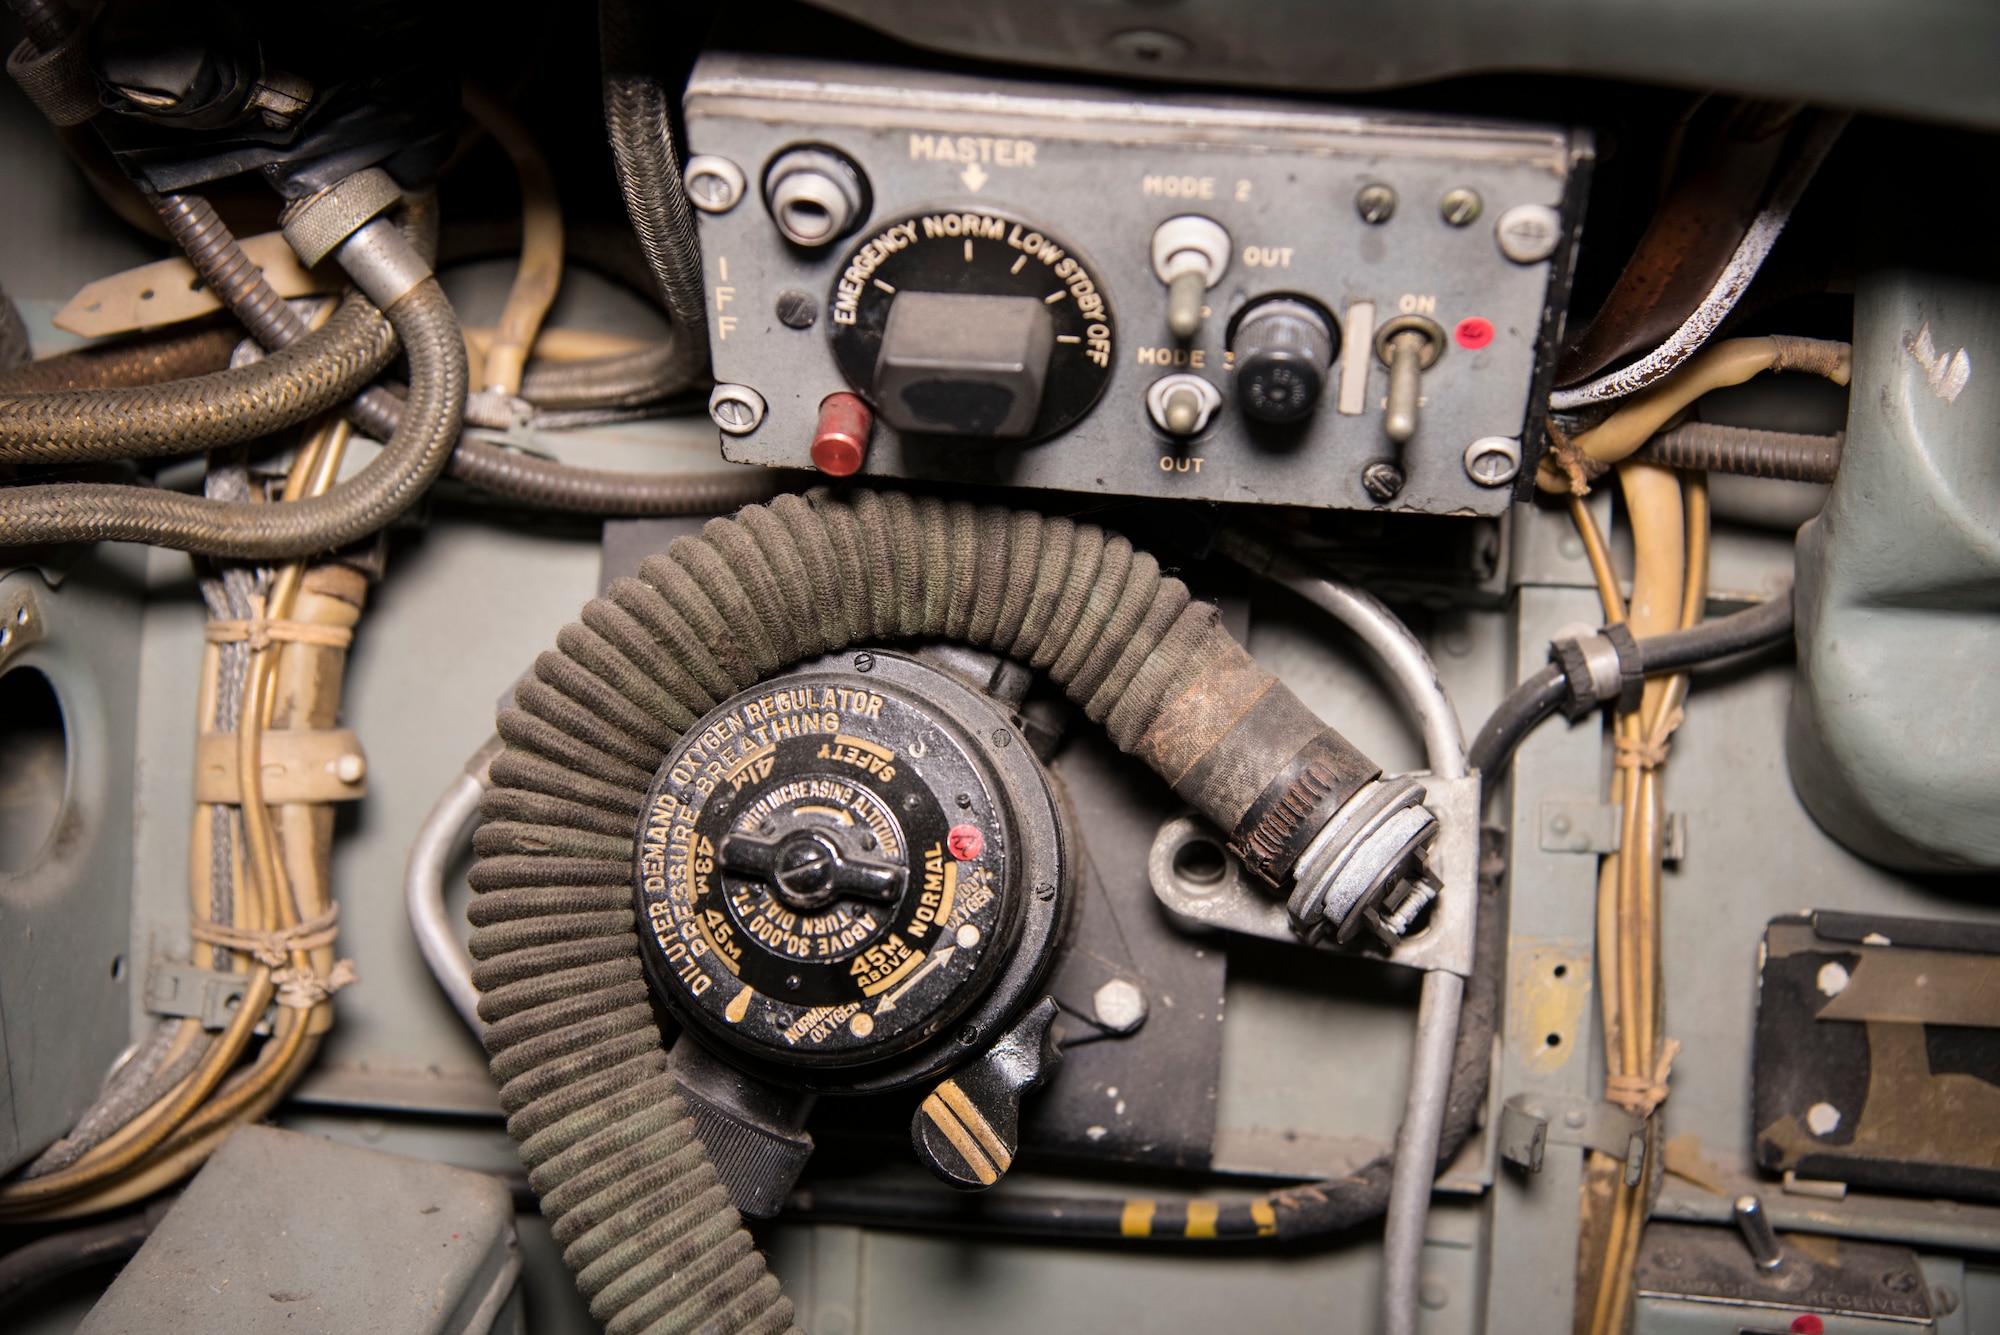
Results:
1530 1123
1230 898
184 992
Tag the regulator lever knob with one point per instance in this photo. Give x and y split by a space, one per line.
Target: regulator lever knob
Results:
811 867
968 1129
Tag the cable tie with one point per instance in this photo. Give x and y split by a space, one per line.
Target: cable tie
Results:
1639 1094
271 948
259 633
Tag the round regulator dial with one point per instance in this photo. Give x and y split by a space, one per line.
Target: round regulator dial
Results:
827 871
973 325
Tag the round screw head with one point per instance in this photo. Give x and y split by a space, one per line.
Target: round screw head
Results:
1493 461
796 309
737 409
1376 204
1528 233
1382 480
714 184
1119 1006
1460 207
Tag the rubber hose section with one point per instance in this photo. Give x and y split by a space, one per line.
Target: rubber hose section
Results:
316 373
388 485
572 1036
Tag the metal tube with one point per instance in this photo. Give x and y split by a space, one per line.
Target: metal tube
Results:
431 854
1383 632
1416 1150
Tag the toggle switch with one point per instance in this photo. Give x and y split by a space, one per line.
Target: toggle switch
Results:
1408 345
1190 255
1182 405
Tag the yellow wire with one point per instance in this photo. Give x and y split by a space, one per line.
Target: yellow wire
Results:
539 274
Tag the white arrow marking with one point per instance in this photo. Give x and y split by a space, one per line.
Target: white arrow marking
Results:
974 176
937 961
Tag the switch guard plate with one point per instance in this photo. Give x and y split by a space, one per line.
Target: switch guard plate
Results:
1102 171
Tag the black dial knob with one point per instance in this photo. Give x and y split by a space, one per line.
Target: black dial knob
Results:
1282 349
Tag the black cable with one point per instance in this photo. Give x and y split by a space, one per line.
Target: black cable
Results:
1544 692
1518 715
47 1259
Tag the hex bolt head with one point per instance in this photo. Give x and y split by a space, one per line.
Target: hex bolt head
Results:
1119 1006
714 184
1382 480
1460 207
1375 203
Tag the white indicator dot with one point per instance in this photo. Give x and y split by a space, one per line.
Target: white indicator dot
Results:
1832 978
1822 1119
862 1025
968 936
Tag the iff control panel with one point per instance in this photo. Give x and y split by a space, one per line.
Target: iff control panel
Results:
922 276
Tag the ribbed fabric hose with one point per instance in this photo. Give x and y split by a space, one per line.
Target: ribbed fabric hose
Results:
388 485
1734 449
202 413
626 380
572 1038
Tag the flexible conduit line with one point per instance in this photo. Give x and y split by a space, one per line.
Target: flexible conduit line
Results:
388 485
1729 288
1443 992
203 412
438 841
638 120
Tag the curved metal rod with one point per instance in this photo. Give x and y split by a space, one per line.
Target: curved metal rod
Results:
438 842
1437 1011
1398 648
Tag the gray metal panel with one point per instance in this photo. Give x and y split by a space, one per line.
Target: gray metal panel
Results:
1281 179
65 967
1931 59
282 1232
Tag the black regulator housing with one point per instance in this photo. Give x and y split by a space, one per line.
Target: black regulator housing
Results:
852 876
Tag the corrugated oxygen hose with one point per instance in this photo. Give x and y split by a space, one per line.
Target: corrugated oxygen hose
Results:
388 485
572 1038
318 372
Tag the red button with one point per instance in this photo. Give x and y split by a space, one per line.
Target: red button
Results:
1473 333
965 842
841 443
1808 1325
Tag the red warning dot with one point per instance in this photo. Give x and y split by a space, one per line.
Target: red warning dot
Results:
1473 333
965 842
1808 1325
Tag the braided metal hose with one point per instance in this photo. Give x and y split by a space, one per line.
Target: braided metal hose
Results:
601 491
388 485
571 1035
638 119
625 380
318 372
151 359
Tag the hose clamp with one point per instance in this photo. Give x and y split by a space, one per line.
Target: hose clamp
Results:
1359 858
382 262
1599 667
318 224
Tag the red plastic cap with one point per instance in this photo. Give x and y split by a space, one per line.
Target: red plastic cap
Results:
1808 1325
1474 333
840 445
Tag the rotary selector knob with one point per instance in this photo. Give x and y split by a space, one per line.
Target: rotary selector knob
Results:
828 869
1281 348
973 326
